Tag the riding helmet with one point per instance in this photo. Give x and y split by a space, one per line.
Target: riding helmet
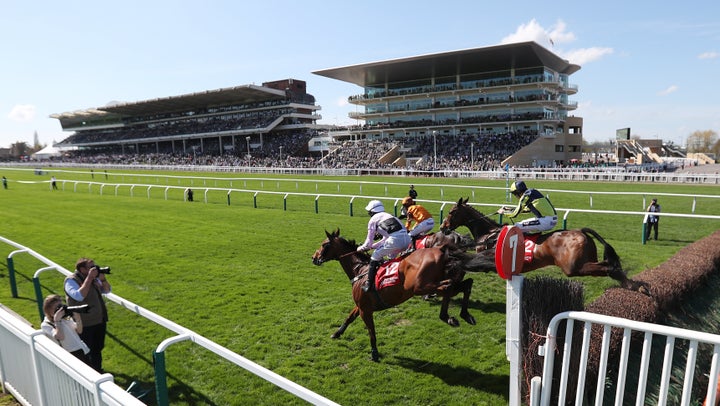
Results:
518 187
375 206
408 201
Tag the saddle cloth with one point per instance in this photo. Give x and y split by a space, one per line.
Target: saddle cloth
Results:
420 242
530 242
388 275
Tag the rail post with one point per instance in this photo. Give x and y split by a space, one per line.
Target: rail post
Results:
11 276
161 392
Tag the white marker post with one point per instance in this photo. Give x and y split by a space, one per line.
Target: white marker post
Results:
509 256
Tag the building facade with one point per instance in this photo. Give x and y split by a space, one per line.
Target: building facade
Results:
509 102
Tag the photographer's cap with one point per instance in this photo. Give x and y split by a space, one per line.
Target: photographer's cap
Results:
654 200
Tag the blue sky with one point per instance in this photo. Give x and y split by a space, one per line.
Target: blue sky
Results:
651 66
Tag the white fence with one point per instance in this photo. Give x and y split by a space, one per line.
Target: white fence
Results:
37 371
673 338
610 174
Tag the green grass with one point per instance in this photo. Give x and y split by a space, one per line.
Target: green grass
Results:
242 277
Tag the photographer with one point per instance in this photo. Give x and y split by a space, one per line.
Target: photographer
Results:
86 286
64 327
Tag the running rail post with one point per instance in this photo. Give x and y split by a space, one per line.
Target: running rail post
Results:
38 289
161 392
11 272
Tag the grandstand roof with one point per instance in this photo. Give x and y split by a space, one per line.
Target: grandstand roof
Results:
186 102
487 59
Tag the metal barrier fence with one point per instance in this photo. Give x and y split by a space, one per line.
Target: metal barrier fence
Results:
610 174
29 386
37 371
396 201
671 339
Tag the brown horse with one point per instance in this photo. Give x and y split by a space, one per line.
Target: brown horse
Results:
573 251
437 270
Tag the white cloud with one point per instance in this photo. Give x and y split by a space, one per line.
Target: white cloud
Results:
342 101
709 55
669 90
556 35
531 31
585 55
22 113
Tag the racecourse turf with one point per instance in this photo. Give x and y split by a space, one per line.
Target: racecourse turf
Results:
241 275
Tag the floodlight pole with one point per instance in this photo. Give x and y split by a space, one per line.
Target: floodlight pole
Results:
434 133
472 156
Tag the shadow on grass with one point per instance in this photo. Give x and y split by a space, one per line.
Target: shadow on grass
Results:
456 376
492 307
179 391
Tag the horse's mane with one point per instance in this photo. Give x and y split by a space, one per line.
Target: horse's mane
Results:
481 217
362 255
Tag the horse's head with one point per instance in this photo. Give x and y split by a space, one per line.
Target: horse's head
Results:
457 217
333 247
462 214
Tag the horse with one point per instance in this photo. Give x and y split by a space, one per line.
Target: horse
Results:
573 251
436 270
452 238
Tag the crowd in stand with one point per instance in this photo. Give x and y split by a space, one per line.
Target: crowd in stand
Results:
478 151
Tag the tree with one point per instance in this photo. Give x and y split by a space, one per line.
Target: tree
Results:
702 141
19 149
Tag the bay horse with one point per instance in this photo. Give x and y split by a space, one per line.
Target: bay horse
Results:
437 270
573 251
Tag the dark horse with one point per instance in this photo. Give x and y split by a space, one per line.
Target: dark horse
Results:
436 270
573 251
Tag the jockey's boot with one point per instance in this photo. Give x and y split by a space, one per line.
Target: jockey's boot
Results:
369 283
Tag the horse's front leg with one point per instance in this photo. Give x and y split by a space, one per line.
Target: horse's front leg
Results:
466 287
350 318
444 316
367 317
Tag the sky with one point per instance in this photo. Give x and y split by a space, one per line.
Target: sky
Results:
651 66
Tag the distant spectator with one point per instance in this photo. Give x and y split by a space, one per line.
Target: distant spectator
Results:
4 180
189 195
53 181
412 192
652 220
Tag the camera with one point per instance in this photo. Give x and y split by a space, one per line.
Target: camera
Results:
69 310
103 269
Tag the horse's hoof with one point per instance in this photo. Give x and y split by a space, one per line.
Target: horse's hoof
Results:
452 321
469 319
335 335
375 356
644 288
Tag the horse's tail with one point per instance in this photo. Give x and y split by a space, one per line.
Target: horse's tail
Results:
609 254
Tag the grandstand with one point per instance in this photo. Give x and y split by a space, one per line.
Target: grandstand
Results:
469 109
249 121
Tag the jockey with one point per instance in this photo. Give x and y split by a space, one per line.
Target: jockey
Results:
417 214
531 201
394 239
